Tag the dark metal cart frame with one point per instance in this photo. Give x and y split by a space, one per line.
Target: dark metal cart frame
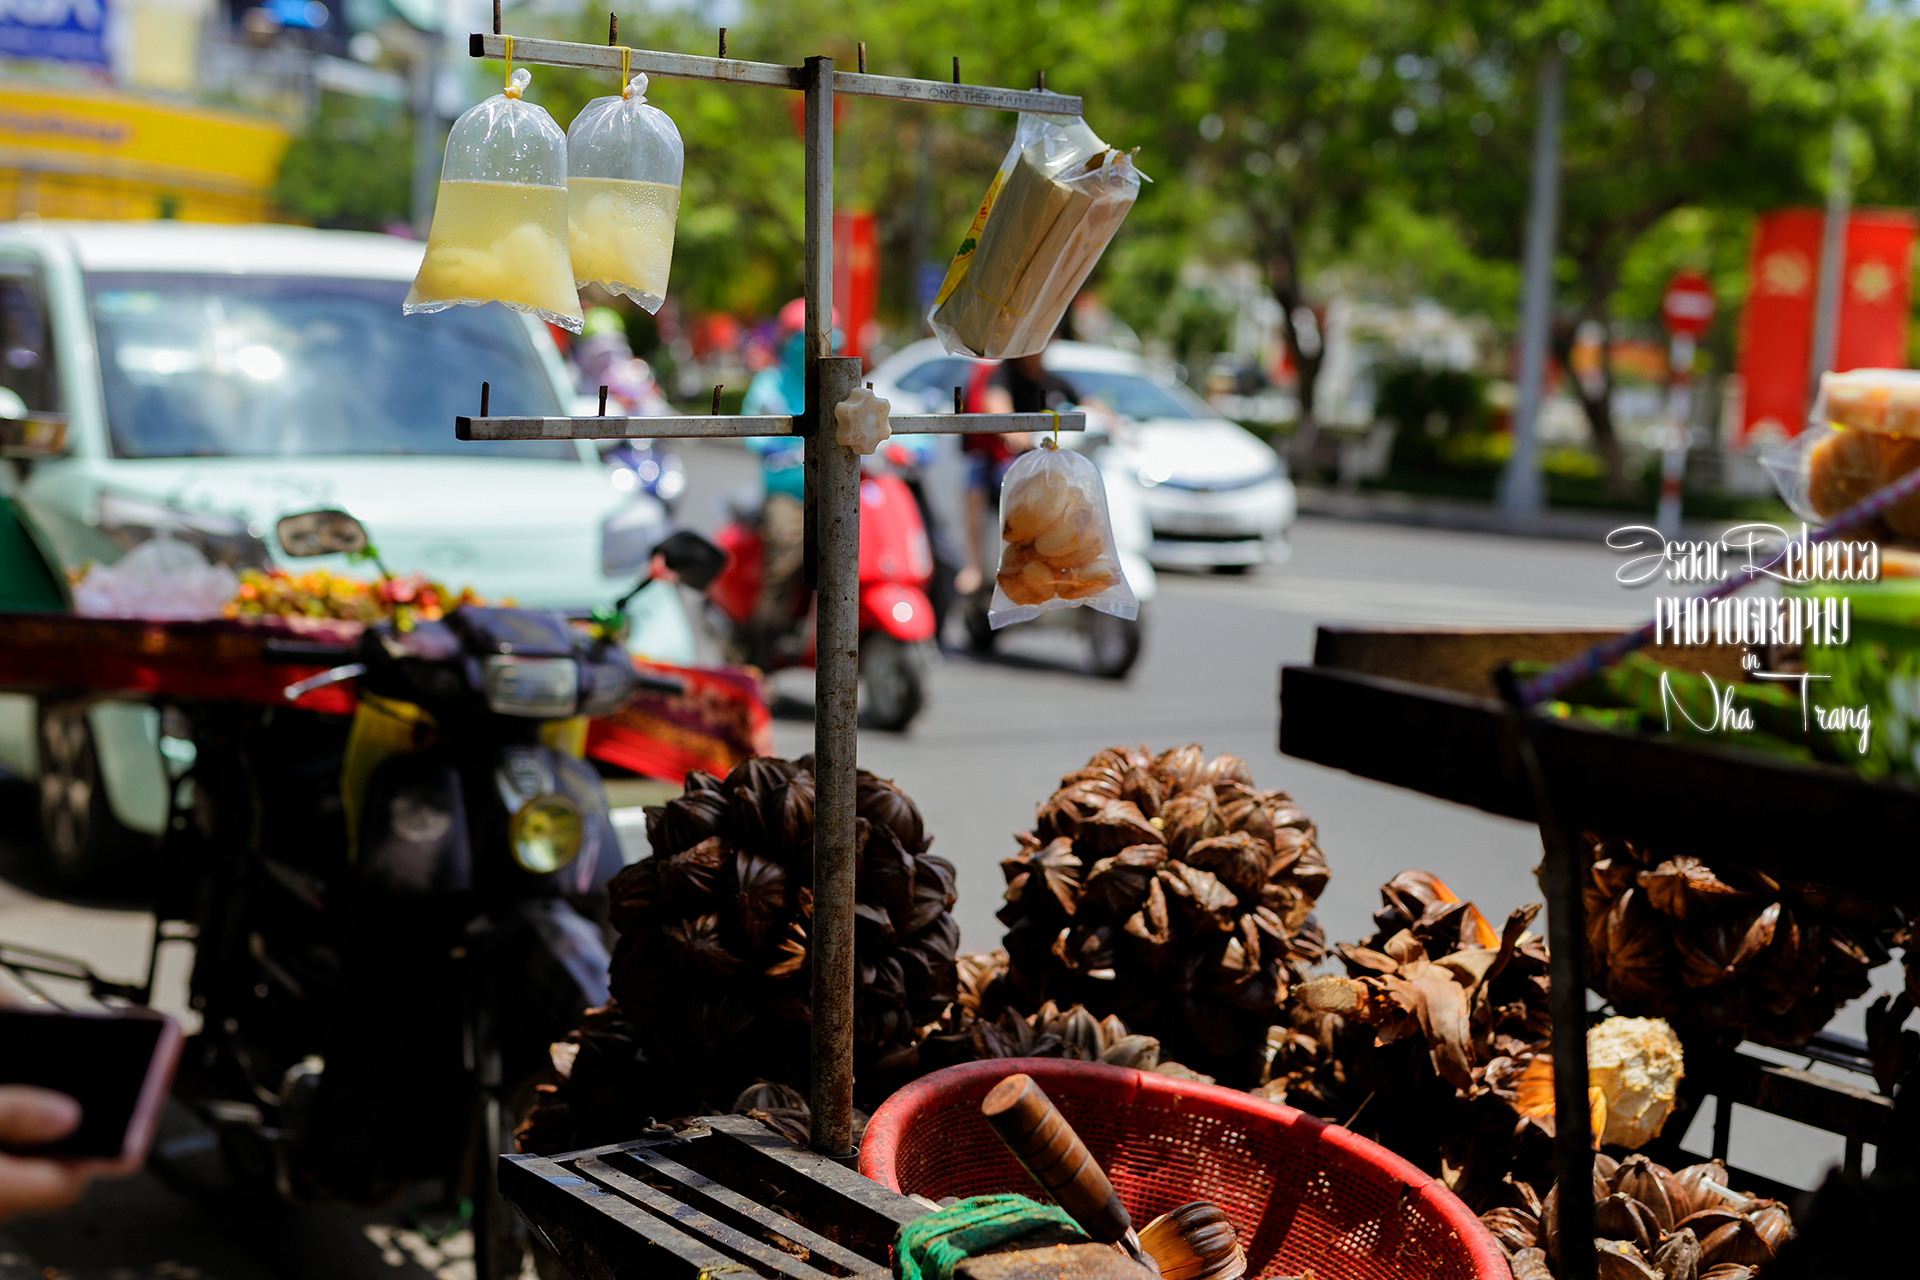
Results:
832 484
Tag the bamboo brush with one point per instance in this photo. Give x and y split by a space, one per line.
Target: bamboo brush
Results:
1195 1242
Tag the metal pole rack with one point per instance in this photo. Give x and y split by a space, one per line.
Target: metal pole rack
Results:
832 487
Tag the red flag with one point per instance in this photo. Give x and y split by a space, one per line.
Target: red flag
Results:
856 276
1776 326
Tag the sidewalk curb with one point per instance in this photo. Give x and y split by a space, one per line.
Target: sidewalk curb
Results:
1474 517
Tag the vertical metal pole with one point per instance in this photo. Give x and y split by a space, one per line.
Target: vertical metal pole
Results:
1673 459
1833 257
1520 486
1560 868
835 471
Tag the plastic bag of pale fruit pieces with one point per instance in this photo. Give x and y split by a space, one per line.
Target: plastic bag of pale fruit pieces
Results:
1057 547
500 220
623 195
1865 434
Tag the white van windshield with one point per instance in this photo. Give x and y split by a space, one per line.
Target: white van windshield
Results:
263 367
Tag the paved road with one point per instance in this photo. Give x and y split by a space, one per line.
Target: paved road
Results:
998 734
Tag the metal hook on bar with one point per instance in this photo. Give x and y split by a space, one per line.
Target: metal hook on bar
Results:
959 402
496 17
956 68
723 42
716 400
603 400
613 28
863 57
483 399
1040 79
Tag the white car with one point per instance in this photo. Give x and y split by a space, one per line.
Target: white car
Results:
216 378
1215 495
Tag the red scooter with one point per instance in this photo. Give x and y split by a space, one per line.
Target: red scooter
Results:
896 618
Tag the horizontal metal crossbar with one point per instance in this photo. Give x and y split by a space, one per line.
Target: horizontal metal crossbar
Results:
686 66
694 426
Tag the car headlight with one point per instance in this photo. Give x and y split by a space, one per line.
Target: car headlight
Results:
221 539
539 688
545 833
629 536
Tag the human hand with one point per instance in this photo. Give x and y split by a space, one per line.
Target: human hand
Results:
28 1118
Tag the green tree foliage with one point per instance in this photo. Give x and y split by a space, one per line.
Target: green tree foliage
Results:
1719 105
352 167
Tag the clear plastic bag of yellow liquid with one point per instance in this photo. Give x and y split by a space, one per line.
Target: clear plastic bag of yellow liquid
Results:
623 195
500 222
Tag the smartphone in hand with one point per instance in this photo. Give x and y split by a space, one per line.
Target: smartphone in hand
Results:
117 1064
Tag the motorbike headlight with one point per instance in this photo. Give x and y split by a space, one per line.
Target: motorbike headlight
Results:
539 688
629 536
221 539
545 833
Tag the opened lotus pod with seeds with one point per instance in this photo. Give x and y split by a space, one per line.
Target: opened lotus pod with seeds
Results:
1057 546
623 195
500 220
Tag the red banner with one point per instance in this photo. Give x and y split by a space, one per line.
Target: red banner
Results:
1776 325
856 278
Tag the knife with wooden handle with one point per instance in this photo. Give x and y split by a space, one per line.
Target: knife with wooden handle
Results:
1046 1146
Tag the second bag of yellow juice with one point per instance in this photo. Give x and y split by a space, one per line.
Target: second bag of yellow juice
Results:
624 159
500 222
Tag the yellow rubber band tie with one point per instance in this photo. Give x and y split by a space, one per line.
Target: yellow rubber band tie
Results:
1056 427
509 65
626 68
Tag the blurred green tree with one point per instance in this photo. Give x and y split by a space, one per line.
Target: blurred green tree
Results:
1724 106
351 168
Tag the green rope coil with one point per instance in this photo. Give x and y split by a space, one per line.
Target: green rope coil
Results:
930 1248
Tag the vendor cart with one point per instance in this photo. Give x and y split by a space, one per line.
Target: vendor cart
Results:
1421 709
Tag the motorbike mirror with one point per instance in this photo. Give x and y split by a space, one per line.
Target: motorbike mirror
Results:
321 533
696 561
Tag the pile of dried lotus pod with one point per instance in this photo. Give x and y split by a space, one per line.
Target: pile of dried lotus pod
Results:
1650 1223
710 981
1735 953
1050 1032
1171 891
1423 1044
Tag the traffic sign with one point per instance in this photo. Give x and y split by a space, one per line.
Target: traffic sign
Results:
1687 306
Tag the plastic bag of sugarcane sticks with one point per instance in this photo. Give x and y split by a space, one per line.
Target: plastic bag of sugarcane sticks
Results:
1058 198
1056 548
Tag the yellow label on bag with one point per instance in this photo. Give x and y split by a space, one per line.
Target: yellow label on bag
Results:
964 259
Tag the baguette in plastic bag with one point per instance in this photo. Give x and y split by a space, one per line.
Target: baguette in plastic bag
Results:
1058 198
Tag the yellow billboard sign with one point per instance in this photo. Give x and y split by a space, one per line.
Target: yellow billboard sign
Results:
75 154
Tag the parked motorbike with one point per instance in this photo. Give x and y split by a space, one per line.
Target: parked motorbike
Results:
395 917
896 617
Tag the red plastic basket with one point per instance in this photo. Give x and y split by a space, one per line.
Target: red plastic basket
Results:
1302 1192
